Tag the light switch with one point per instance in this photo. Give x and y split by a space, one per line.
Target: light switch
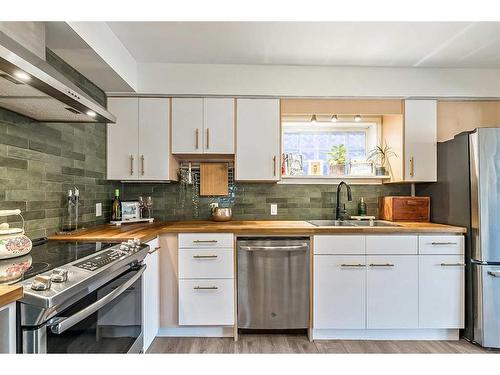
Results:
274 209
98 209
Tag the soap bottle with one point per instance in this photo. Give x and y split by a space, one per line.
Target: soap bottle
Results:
361 207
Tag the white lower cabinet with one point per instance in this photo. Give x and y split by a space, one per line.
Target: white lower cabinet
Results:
340 291
206 279
151 294
206 302
441 286
392 291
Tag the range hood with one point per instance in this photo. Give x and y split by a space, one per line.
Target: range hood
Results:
33 88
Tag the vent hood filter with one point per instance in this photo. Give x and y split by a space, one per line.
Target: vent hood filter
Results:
33 88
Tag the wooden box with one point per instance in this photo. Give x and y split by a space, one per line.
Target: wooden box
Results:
401 208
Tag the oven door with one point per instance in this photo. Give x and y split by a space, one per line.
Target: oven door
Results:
108 320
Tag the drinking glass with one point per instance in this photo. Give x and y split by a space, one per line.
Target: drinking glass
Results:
149 205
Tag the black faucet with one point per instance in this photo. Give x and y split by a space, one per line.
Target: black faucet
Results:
341 213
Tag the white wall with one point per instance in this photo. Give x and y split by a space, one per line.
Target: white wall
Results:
272 80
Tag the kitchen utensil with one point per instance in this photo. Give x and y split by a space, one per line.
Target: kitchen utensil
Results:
222 214
13 241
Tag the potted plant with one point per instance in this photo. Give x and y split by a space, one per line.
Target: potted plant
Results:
380 157
337 159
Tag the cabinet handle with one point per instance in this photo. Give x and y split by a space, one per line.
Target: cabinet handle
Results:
131 165
442 243
205 241
197 133
204 256
494 273
452 265
154 250
274 165
142 165
412 167
208 138
353 265
382 265
205 288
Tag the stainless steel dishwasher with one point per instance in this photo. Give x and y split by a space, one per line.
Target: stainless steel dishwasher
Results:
273 282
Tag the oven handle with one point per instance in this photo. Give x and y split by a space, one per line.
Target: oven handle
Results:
63 324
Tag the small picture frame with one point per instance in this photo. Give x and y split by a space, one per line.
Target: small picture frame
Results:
315 167
130 211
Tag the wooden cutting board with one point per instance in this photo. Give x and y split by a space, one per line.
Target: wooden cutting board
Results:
214 179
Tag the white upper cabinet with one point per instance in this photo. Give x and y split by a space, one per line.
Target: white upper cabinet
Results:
154 138
203 126
218 121
258 140
123 148
138 145
420 137
187 125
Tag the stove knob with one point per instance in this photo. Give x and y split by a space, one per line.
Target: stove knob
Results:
131 243
137 242
124 247
59 275
41 283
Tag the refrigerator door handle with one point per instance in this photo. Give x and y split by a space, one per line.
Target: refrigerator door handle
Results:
494 273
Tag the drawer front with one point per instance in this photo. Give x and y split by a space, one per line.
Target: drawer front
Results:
206 302
206 263
339 244
441 245
391 244
204 240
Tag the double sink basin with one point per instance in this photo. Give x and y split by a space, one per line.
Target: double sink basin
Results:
352 223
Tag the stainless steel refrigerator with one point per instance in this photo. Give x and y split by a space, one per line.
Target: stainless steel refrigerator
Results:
467 194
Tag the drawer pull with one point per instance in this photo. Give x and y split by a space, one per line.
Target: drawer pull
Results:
205 288
205 241
452 264
382 265
204 256
442 243
353 265
154 250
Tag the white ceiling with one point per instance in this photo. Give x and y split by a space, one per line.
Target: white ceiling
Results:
400 44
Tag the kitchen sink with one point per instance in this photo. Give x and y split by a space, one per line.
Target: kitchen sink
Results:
352 223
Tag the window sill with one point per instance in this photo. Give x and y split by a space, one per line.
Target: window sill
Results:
321 180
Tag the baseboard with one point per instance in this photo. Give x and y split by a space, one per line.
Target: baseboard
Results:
385 334
192 331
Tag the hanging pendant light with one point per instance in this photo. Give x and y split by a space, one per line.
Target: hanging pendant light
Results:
313 119
357 118
334 118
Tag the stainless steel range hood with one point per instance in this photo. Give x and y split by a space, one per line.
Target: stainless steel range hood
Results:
33 88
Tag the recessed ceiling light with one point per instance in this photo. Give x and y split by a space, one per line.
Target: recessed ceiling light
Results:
357 118
22 76
91 113
313 119
334 118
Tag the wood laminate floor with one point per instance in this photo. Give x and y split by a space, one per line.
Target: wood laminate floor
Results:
295 344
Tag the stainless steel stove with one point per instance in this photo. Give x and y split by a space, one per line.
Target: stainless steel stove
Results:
82 298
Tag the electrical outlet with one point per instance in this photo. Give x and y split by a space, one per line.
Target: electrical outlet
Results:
98 209
274 209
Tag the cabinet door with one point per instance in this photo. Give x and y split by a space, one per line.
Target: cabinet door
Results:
392 291
187 125
441 291
258 140
154 138
420 149
151 295
339 292
218 125
122 150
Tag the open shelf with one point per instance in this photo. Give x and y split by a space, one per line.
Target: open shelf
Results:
356 179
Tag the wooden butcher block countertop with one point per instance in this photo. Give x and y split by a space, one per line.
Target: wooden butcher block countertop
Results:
10 294
145 232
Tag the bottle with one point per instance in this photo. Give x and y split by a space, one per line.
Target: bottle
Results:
361 207
116 213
